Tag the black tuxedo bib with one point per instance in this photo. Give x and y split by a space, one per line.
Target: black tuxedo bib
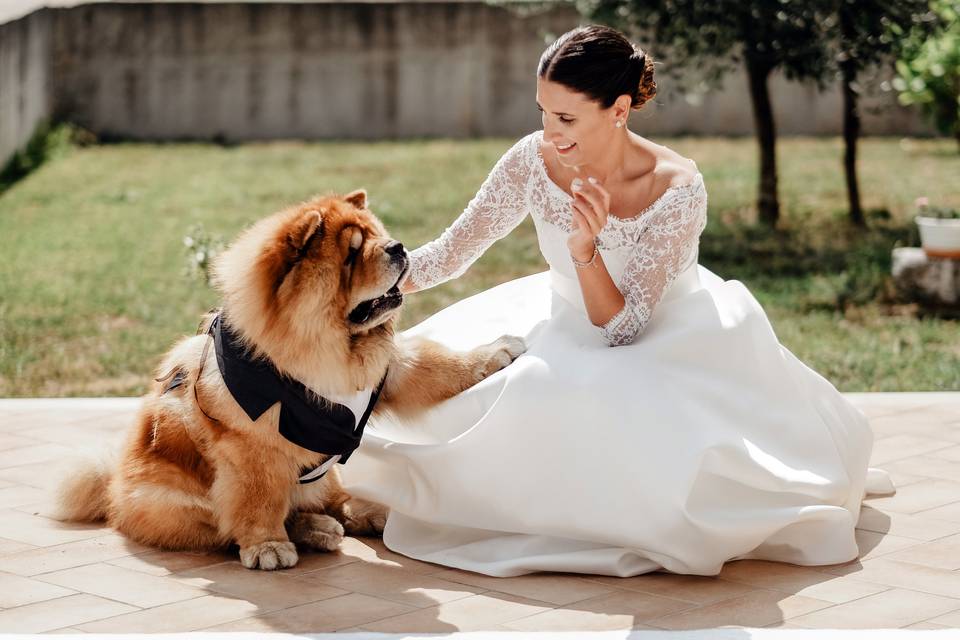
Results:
307 420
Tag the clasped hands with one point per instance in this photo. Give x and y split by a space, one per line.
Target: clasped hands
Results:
591 206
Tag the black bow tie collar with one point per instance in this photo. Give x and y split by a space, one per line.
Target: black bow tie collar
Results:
307 420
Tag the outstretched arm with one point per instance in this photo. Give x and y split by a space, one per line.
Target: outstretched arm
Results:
497 208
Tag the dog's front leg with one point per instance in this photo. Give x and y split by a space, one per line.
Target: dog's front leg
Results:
427 372
253 507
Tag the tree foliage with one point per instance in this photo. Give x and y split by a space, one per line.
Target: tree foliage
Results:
762 35
928 71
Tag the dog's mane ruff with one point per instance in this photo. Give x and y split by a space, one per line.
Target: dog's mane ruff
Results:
321 353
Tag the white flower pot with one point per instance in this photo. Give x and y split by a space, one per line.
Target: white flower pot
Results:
939 237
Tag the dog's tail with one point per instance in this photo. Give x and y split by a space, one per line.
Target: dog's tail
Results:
82 494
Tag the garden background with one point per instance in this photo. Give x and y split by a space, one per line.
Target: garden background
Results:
101 228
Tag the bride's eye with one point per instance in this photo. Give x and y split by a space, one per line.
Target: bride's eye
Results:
566 120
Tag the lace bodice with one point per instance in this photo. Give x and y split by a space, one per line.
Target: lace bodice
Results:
648 250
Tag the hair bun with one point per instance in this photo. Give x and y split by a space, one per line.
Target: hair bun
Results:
647 87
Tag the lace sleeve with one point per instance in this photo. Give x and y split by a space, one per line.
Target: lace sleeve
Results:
497 208
663 250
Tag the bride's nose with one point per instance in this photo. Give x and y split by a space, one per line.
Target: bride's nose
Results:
550 133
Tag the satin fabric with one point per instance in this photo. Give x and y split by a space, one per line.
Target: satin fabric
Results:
703 441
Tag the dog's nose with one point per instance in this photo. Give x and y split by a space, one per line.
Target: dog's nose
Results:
394 249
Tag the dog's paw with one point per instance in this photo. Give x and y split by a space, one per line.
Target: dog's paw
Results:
365 518
316 531
499 353
269 555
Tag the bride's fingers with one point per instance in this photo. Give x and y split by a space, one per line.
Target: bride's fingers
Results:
595 194
580 222
597 218
588 215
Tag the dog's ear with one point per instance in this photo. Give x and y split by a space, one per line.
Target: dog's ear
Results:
300 233
357 198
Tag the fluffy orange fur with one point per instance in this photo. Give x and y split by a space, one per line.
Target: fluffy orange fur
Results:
196 473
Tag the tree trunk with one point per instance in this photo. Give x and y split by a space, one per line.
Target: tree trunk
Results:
768 206
851 132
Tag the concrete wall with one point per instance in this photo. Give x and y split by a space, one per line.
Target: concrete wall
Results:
24 80
249 70
246 71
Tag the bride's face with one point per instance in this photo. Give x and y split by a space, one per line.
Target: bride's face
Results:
578 127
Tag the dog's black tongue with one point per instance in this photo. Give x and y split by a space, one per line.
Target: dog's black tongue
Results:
362 312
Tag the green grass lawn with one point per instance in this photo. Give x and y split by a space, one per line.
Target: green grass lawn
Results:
93 290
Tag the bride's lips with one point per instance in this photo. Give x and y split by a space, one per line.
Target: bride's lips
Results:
563 151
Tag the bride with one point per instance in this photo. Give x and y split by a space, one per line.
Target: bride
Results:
655 422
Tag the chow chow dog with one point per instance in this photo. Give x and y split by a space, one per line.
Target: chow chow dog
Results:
236 440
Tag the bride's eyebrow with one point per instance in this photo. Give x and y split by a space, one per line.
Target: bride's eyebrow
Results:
559 113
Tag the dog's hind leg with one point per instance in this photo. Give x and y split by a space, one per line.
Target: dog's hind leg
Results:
165 517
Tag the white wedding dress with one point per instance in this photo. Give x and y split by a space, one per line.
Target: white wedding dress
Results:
697 439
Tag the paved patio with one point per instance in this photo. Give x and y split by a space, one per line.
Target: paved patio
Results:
69 578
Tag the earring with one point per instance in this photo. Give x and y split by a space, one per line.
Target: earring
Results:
619 124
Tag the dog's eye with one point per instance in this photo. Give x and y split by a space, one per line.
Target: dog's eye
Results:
356 241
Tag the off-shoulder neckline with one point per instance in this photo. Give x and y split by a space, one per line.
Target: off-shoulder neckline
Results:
542 165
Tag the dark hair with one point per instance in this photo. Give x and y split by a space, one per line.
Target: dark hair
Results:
602 64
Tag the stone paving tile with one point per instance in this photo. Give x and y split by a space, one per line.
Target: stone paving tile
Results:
46 452
390 583
907 574
44 532
873 544
164 563
926 625
31 475
476 613
324 616
890 609
16 591
556 589
943 553
178 617
927 465
949 512
16 496
72 554
798 580
61 612
8 547
77 434
952 454
917 527
701 590
268 590
754 609
15 441
951 619
920 496
373 551
123 585
612 611
895 448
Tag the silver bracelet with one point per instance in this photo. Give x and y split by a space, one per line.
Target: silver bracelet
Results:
593 259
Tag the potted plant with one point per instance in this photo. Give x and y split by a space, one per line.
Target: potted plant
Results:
939 230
